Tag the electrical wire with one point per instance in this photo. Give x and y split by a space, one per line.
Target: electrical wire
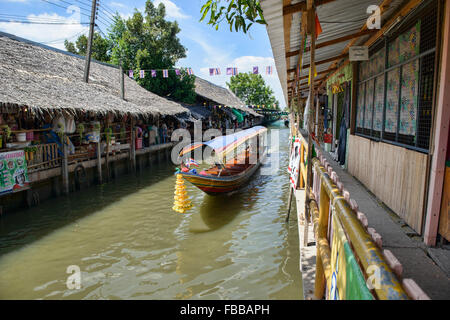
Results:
62 40
57 5
48 23
101 18
106 9
342 22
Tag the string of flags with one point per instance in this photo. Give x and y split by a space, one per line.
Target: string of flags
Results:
234 71
212 72
165 72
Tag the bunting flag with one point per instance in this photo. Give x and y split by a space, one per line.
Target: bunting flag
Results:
300 65
269 70
153 73
318 27
190 71
255 70
211 71
130 73
142 74
165 73
177 72
231 71
309 76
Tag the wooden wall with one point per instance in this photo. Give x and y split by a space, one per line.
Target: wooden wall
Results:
444 220
397 176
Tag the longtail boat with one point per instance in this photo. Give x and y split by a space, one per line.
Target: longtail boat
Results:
229 175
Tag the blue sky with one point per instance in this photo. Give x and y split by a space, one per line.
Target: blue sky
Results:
206 47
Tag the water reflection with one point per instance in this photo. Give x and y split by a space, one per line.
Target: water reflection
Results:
129 244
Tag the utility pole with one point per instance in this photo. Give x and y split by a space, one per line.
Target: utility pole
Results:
90 39
122 83
311 24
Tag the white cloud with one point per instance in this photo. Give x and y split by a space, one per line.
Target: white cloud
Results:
245 64
117 4
172 10
52 35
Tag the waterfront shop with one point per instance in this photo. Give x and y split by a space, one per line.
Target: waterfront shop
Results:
59 134
227 110
380 119
384 120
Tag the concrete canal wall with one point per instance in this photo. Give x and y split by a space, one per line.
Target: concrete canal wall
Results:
48 184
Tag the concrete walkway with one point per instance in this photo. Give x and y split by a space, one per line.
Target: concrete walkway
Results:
308 251
399 238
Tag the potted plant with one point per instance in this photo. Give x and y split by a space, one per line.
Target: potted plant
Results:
6 134
123 133
80 130
97 127
60 131
29 152
108 134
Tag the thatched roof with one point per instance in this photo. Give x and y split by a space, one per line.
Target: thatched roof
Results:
220 95
199 112
40 77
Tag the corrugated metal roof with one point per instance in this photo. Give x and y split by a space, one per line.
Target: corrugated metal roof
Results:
273 14
338 18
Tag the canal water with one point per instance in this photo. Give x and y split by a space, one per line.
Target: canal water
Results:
129 244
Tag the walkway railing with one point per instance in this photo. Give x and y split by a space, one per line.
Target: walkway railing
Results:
44 157
350 261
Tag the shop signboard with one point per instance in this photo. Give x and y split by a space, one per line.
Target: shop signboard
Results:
13 172
359 53
347 280
294 163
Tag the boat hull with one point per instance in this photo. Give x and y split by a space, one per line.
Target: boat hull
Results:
213 185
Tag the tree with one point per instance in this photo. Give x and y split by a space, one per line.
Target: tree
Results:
252 89
100 47
240 14
145 41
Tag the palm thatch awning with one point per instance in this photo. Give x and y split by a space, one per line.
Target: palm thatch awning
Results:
44 78
220 95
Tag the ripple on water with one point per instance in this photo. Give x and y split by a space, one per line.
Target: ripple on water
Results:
129 244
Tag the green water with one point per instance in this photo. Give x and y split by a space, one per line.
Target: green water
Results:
129 244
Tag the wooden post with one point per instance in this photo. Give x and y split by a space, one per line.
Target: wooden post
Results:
122 82
64 166
99 161
302 160
322 232
439 145
90 41
133 145
107 149
312 27
289 201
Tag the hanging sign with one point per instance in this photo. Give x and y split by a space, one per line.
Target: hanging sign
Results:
294 163
13 172
359 53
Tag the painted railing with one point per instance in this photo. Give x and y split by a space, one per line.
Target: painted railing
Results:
45 157
350 261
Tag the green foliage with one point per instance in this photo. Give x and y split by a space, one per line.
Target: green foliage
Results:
33 149
240 14
145 41
148 41
252 89
100 47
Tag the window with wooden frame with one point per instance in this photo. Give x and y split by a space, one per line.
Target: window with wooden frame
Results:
395 89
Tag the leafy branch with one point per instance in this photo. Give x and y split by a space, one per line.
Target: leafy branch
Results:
240 14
